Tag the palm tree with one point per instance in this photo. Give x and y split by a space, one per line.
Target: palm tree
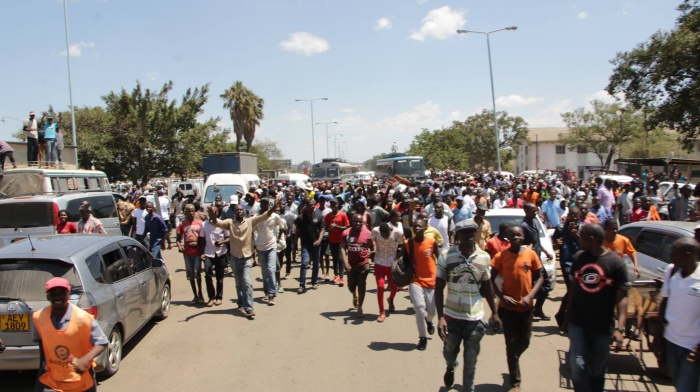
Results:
246 110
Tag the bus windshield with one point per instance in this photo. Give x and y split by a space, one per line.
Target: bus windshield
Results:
409 167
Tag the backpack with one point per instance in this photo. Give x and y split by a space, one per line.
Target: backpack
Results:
402 269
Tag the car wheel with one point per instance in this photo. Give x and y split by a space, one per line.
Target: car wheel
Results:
164 308
114 353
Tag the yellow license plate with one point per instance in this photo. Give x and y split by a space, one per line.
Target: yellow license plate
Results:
14 322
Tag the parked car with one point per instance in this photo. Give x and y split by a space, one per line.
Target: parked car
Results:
361 178
653 240
515 216
114 278
666 189
37 215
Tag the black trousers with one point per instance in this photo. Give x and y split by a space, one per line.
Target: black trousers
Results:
214 267
517 329
338 266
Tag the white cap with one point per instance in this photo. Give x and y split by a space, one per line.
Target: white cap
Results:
233 199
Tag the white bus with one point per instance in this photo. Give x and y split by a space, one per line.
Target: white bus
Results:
30 181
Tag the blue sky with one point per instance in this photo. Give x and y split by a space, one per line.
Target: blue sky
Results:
388 68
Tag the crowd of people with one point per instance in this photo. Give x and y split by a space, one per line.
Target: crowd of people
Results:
344 233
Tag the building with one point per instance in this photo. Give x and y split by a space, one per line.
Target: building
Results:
283 165
543 151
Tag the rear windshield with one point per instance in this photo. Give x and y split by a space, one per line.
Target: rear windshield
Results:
26 214
26 279
224 190
496 220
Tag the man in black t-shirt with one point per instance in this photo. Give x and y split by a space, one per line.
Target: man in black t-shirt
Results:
599 285
309 228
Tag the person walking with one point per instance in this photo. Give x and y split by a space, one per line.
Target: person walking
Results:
69 340
389 247
464 270
335 223
266 245
32 132
309 228
599 287
532 238
422 250
357 246
139 220
125 208
214 256
155 225
521 270
88 224
188 232
620 244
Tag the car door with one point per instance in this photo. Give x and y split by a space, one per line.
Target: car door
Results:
104 208
651 253
141 264
127 290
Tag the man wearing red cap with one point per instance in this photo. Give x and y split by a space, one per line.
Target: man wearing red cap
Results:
69 340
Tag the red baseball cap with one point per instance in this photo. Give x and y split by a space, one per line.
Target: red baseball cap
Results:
57 282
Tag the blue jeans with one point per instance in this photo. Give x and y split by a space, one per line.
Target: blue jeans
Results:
155 247
268 267
244 284
309 252
588 358
51 151
685 375
469 332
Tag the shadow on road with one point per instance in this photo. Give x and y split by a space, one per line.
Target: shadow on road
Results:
546 330
230 312
348 316
383 346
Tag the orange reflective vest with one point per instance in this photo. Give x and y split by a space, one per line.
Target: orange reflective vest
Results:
60 347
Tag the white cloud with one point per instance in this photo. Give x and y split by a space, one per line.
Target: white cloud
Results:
76 50
295 116
604 97
550 115
305 43
582 15
383 24
516 100
152 75
348 110
422 1
440 23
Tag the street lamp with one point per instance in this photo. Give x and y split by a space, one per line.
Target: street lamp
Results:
493 94
313 137
326 123
70 86
335 142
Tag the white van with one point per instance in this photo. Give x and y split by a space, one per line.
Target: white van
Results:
292 178
253 180
187 187
224 184
30 181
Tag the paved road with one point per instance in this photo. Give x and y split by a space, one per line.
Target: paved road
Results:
313 342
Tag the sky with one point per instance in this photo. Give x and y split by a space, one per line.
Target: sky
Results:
388 68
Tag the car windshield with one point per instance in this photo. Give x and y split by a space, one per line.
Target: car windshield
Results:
26 214
26 278
226 191
496 220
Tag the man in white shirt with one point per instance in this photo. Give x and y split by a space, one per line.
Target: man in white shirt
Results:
164 203
214 256
388 244
266 246
31 128
139 220
681 310
500 201
442 224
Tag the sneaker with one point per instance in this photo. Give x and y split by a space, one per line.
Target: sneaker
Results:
301 290
422 344
271 301
326 278
341 282
449 377
314 287
194 301
391 305
280 289
210 303
541 315
200 300
217 302
431 327
335 279
360 313
250 314
381 317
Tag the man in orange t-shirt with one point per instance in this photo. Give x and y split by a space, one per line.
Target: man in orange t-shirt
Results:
422 287
620 244
520 267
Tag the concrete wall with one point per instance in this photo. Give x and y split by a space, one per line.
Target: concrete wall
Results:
21 156
543 155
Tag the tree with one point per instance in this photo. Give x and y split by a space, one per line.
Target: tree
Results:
601 131
267 151
470 145
246 110
662 75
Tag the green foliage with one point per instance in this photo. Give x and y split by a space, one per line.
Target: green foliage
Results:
267 151
662 75
603 130
246 110
470 145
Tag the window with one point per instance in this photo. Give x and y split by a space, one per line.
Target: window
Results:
651 244
527 150
666 249
116 265
581 149
103 207
560 149
73 207
97 270
137 258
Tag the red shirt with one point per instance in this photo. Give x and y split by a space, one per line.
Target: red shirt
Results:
518 204
66 228
335 236
358 243
496 245
189 230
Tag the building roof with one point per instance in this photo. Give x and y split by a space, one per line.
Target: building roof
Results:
545 134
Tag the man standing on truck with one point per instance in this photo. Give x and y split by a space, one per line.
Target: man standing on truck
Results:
31 128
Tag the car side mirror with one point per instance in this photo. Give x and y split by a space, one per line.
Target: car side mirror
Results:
157 263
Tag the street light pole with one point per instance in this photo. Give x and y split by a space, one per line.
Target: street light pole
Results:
493 93
335 142
326 123
70 85
313 137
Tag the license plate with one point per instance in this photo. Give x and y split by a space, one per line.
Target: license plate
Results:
14 322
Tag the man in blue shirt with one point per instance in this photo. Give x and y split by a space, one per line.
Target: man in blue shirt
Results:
461 211
600 211
156 226
552 209
50 130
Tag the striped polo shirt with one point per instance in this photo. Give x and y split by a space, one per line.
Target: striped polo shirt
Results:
464 276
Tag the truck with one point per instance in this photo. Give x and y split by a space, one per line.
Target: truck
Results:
230 162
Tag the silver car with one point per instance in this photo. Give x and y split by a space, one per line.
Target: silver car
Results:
114 278
652 240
